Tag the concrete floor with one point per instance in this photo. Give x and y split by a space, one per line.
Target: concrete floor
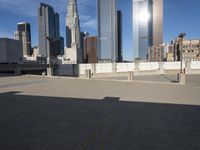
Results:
52 113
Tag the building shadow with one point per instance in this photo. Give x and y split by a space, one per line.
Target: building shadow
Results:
49 123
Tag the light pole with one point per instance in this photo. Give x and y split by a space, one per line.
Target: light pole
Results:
181 75
181 36
49 51
49 70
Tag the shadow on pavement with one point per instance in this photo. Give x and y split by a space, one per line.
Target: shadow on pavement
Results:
49 123
169 79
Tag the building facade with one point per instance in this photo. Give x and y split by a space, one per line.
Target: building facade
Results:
35 52
162 52
90 49
172 52
156 53
23 34
147 26
191 50
107 30
169 52
11 51
73 51
49 32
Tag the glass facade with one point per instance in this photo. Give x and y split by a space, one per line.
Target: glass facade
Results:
24 34
49 34
107 30
147 26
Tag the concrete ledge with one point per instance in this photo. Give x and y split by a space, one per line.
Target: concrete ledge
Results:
181 78
105 80
131 76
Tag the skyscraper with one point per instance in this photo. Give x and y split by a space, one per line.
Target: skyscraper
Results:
107 30
157 22
23 34
62 46
82 37
147 26
10 51
90 49
49 32
73 52
119 35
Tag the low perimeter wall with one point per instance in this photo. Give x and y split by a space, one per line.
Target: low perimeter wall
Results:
122 69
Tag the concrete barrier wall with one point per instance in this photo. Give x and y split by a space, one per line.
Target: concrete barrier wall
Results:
142 68
125 67
173 65
195 65
149 66
65 70
84 67
104 68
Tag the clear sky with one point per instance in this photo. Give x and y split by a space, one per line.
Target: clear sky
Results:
179 16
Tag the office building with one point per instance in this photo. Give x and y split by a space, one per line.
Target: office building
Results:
107 31
90 49
119 35
49 32
156 53
82 37
168 52
11 51
57 25
62 46
73 52
172 52
23 34
162 52
190 50
147 26
170 57
157 22
35 52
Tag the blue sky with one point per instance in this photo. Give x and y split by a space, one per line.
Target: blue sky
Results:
179 16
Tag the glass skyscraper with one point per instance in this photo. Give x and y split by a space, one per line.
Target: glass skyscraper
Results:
107 30
49 31
147 26
157 22
23 34
119 35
